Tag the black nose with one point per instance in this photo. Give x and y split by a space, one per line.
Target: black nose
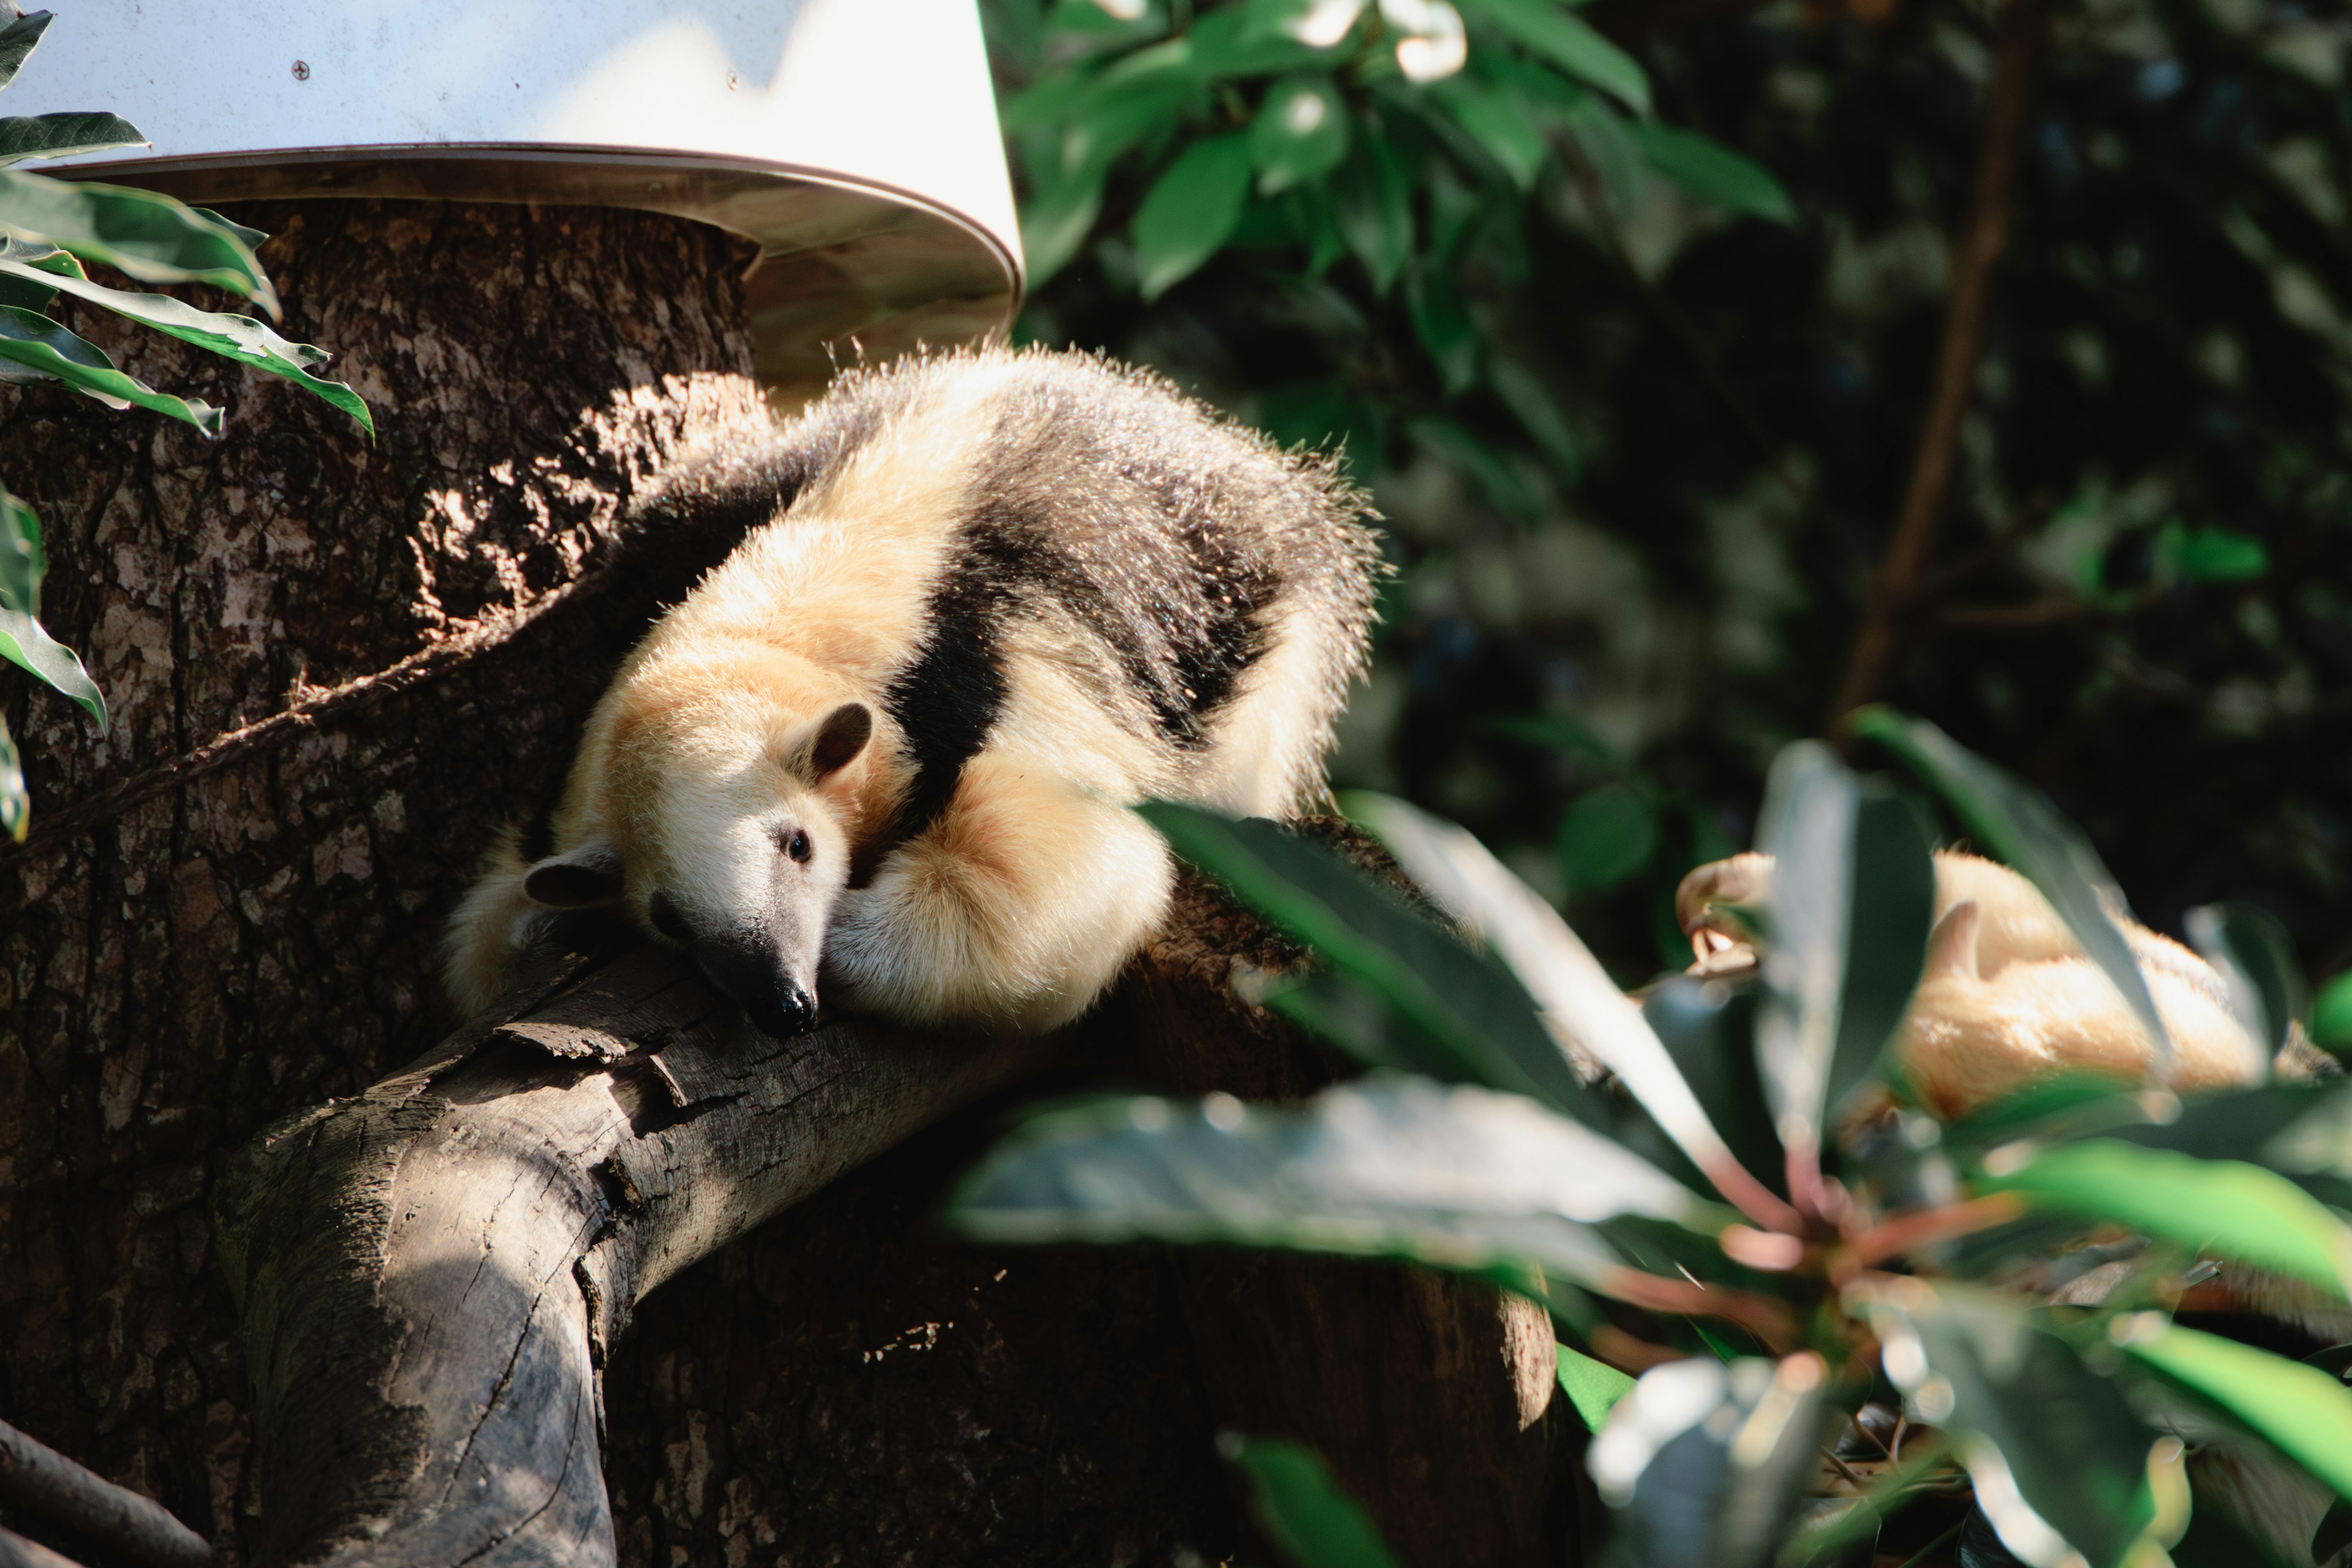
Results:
780 1010
778 1005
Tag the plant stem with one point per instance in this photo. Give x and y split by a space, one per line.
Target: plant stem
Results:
2021 35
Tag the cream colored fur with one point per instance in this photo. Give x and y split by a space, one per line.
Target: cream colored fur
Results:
1023 900
2008 996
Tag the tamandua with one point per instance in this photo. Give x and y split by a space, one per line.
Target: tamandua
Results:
2008 995
994 600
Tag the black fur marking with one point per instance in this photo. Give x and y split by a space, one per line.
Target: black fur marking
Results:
947 700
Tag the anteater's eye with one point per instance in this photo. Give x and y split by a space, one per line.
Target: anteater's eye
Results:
796 844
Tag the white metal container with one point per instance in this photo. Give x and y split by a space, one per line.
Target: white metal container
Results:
854 139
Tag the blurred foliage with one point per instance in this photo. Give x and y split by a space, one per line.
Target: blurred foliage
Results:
1638 390
51 232
1861 1337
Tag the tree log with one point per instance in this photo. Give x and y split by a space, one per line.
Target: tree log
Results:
430 1274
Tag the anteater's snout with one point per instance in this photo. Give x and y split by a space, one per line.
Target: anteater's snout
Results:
778 1005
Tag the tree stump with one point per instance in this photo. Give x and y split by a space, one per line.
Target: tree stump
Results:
337 670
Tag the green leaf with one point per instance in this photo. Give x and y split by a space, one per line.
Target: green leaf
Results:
23 642
1606 836
1560 733
1373 201
1302 1509
1591 1386
1606 139
1444 325
1452 1177
1452 441
2251 947
1498 122
2055 1449
1531 402
15 805
1055 224
1463 1001
2223 1207
240 337
1714 173
1190 212
1577 996
145 235
2018 824
37 344
1710 1461
2208 554
2331 1016
1569 42
1300 132
18 40
23 562
2300 1410
1853 895
55 135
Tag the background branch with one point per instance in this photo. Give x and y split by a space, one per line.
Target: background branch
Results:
2021 36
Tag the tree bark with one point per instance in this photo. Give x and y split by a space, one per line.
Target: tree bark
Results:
337 670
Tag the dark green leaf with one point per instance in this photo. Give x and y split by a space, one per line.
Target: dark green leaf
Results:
1444 325
148 235
1498 122
17 39
2074 1105
2300 1410
2218 1538
2250 946
16 805
240 337
1578 998
2331 1016
1707 1026
1606 140
2209 554
1894 908
1853 890
22 562
2052 1444
2333 1534
55 135
1190 212
24 642
1239 41
1300 132
1452 441
1355 1018
1606 836
1593 1387
1567 41
1462 1000
1531 402
1302 1510
1373 204
1714 173
1710 1460
2223 1207
1056 222
1561 733
1452 1177
2018 824
37 344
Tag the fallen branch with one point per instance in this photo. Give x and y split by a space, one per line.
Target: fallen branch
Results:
15 1551
429 1274
37 1479
2021 35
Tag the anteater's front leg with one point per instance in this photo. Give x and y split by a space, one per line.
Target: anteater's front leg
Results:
1018 906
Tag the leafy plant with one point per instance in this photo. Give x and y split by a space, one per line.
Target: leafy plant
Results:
51 232
1853 1314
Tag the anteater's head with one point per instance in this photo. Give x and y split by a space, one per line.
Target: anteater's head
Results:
714 805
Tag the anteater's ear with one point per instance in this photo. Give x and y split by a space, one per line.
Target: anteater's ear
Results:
831 743
578 879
